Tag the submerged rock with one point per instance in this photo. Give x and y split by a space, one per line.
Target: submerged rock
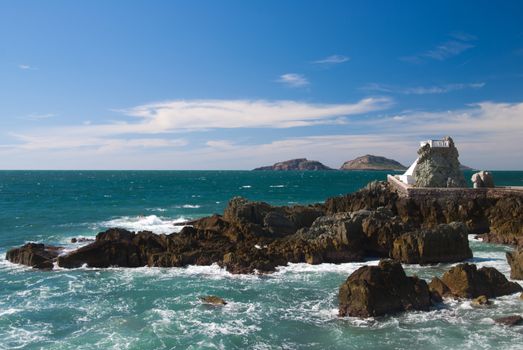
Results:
383 289
36 255
467 281
515 260
212 299
513 320
482 300
444 243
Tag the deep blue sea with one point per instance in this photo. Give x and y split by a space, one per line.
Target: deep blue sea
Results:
158 308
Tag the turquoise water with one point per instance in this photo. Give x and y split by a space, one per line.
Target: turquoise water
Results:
154 308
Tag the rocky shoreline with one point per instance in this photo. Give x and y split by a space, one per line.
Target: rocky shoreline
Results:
255 237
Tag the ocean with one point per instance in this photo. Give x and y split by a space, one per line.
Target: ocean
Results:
158 308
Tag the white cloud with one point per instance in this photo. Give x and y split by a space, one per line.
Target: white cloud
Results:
487 135
422 90
193 115
333 59
459 43
293 80
26 67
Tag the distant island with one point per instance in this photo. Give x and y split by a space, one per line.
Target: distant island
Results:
296 164
366 162
370 162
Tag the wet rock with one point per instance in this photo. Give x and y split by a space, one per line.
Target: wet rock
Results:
444 243
81 240
513 320
482 300
383 289
102 253
439 166
212 299
515 260
438 289
36 255
467 281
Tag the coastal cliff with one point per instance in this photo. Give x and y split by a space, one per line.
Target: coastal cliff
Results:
371 162
296 164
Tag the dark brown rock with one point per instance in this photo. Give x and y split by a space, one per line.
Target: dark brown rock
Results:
383 289
444 243
466 281
515 260
513 320
36 255
213 300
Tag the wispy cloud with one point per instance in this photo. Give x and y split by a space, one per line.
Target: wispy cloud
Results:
293 80
37 117
422 90
459 43
193 115
26 67
485 134
333 59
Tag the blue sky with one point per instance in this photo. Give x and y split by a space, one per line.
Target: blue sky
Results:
238 84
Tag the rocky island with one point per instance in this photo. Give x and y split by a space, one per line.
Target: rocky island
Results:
296 164
370 162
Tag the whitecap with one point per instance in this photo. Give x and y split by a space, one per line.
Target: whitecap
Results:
277 186
246 186
191 206
151 223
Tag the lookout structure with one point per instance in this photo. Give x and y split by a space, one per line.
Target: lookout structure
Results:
437 166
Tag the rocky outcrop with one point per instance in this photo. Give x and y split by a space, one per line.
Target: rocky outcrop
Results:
515 260
499 220
255 236
513 320
444 243
383 289
296 164
370 162
439 166
482 179
467 281
263 219
505 218
35 255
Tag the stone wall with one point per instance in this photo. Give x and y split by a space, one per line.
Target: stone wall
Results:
405 190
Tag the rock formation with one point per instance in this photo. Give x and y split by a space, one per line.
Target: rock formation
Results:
383 289
439 167
35 255
467 281
515 260
255 236
444 243
482 179
370 162
296 164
